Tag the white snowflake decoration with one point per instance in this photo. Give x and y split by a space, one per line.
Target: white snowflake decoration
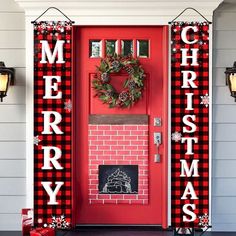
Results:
43 25
57 26
68 105
176 136
200 42
36 140
59 223
40 221
205 100
68 27
204 221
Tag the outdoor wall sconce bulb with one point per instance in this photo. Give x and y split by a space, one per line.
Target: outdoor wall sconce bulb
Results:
7 77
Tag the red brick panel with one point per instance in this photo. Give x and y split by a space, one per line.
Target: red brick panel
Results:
118 145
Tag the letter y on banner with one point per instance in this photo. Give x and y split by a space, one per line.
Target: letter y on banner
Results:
52 124
190 125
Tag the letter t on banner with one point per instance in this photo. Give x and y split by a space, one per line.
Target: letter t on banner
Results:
190 125
52 124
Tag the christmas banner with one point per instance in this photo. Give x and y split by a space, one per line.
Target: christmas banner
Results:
52 124
190 125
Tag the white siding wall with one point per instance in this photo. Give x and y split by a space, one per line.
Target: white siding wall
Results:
12 118
224 121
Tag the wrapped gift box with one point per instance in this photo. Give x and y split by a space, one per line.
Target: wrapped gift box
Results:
42 232
26 221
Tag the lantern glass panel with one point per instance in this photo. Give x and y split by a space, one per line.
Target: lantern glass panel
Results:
233 82
3 82
227 75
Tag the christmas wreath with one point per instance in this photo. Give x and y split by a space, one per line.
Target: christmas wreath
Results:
132 87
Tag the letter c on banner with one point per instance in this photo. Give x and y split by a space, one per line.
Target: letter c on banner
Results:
184 34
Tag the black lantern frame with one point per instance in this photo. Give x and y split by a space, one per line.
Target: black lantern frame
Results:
10 72
184 232
229 72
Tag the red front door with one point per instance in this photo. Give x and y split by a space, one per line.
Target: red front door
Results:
120 142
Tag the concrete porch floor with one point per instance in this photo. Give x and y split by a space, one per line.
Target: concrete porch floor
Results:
116 232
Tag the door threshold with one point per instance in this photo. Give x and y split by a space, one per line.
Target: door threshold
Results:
121 227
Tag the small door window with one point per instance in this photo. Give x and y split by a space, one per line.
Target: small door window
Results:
143 48
111 47
127 47
95 48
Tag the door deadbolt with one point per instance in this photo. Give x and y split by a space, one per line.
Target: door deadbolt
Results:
157 121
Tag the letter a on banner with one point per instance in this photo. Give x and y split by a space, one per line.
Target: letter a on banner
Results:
52 123
190 124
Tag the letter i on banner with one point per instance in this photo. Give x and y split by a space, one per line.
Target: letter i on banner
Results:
190 124
52 123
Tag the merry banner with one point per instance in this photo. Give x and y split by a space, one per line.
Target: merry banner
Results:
190 125
52 124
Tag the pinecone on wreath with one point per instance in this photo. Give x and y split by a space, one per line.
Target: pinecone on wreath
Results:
105 77
131 85
123 96
115 65
129 70
109 93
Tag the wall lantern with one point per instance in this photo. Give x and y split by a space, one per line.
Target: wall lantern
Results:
230 76
7 76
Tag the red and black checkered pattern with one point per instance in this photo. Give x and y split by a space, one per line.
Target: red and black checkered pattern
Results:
52 31
178 105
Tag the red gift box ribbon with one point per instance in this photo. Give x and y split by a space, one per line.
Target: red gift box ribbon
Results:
42 231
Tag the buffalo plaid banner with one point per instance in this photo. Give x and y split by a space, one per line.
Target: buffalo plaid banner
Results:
52 124
190 125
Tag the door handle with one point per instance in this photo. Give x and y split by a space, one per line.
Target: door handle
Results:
157 142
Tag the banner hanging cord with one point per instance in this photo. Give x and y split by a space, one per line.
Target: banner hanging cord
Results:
190 8
55 8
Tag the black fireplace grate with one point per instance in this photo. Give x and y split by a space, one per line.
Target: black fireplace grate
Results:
118 179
